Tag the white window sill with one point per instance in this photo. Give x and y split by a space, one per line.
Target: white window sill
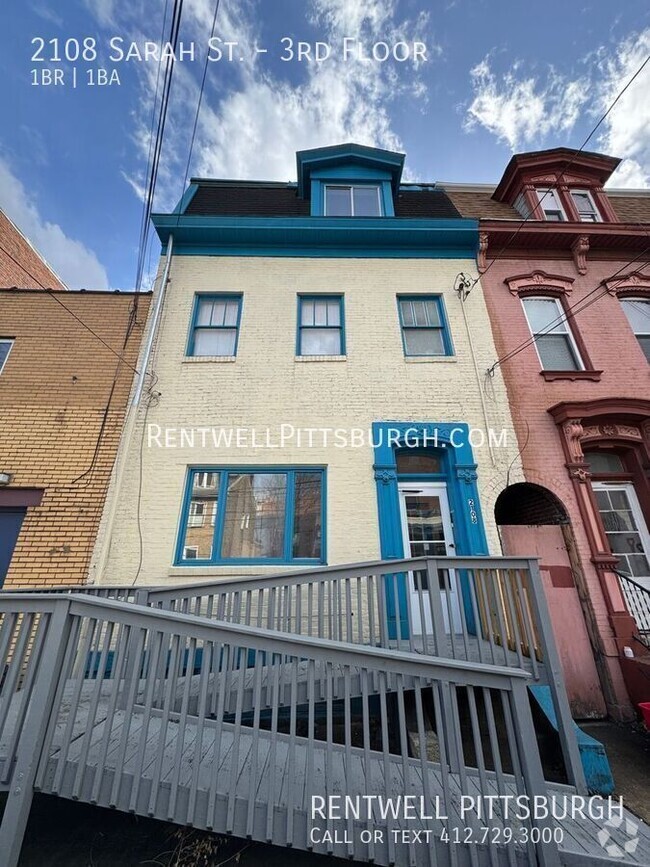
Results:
200 359
321 358
429 359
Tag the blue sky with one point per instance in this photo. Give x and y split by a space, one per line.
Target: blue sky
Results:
501 76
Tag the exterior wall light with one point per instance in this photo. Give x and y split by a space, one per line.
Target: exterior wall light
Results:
5 478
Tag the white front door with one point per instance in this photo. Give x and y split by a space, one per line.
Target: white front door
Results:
626 529
427 532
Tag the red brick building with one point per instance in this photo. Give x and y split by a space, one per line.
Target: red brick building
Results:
21 265
565 274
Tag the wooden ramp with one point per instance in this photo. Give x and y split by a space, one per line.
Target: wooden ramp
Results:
238 729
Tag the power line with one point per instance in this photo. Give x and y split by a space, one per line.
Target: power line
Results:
198 106
160 132
51 293
569 313
566 167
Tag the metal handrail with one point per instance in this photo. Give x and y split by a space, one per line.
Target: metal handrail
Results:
637 598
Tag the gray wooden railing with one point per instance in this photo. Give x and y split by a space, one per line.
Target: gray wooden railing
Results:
486 609
146 710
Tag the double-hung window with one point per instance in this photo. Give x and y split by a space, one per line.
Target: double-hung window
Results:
554 341
423 324
550 204
255 516
5 349
585 206
320 325
215 325
362 200
637 311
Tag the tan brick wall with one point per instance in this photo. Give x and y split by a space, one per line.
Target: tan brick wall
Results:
266 386
20 264
54 390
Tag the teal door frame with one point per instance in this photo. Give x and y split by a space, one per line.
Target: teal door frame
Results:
451 440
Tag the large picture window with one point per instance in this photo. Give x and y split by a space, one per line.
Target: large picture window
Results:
253 516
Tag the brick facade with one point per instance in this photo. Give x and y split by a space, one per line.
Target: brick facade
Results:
55 398
20 265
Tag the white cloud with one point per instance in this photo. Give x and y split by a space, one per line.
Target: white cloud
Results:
627 128
253 127
77 266
524 111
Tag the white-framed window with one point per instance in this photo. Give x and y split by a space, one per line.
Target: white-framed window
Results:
637 311
204 480
550 204
190 552
555 344
196 514
585 206
352 200
5 349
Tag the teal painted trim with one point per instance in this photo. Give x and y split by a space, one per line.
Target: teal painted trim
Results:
316 159
320 296
289 516
444 327
185 199
452 438
213 296
598 773
381 237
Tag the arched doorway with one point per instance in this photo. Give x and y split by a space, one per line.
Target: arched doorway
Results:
533 522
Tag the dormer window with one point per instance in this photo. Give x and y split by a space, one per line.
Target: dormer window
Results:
353 200
585 206
550 205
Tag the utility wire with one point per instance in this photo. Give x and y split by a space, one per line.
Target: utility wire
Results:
160 132
565 169
51 292
569 313
198 108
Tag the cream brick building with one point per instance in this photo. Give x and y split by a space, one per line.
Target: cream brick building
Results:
262 260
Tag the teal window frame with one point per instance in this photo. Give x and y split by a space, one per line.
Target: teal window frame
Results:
341 326
223 473
194 326
352 186
443 327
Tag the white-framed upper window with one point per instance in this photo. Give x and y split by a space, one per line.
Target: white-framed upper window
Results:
353 200
555 344
550 204
204 480
196 514
637 311
585 206
5 349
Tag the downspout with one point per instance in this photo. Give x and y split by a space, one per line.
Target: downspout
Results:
463 286
98 564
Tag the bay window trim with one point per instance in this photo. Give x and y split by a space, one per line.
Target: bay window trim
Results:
222 473
213 296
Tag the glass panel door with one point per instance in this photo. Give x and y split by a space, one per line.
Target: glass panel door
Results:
427 532
626 529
